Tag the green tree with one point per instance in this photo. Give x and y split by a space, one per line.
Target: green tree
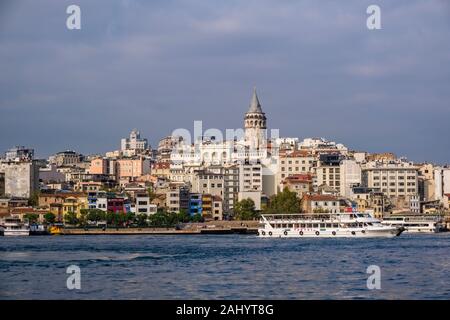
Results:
31 217
49 217
151 194
34 198
183 216
245 210
141 220
158 219
197 218
71 218
284 202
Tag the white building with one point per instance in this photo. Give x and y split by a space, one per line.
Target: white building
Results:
143 205
134 144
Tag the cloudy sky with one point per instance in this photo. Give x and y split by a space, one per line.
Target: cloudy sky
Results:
159 65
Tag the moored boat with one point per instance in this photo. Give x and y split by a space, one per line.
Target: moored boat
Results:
416 223
328 225
15 227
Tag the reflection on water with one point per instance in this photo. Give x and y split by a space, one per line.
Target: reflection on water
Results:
224 267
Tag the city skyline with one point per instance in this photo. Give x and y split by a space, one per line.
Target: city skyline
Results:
319 71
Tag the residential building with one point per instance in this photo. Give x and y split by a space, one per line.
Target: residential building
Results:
319 203
217 208
66 158
143 205
177 198
328 171
134 144
295 163
131 168
299 183
397 179
99 166
195 204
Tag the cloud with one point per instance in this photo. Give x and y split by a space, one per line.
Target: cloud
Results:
159 65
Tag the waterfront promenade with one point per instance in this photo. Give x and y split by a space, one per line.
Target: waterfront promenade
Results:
213 227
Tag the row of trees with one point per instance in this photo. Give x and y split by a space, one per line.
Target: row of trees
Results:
33 217
283 202
120 219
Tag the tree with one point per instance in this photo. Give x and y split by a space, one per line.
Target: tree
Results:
49 217
31 217
245 210
71 218
34 198
141 220
183 216
151 194
197 218
284 202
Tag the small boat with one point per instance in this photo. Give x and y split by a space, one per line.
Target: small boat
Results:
416 223
325 225
56 229
15 227
38 230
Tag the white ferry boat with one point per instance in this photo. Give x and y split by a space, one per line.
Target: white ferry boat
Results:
416 223
14 227
328 225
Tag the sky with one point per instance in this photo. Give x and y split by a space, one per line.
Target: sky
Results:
160 65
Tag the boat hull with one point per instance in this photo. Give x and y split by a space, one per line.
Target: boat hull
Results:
11 233
330 233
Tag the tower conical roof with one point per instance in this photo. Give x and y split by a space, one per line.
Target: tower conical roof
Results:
255 106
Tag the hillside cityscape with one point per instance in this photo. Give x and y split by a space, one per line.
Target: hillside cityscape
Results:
214 179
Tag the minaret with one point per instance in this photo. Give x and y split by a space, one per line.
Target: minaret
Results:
255 124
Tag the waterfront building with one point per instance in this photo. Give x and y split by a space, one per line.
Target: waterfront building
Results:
195 204
74 204
217 208
397 179
177 197
369 199
143 205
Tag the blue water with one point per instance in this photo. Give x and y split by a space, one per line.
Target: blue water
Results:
224 267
